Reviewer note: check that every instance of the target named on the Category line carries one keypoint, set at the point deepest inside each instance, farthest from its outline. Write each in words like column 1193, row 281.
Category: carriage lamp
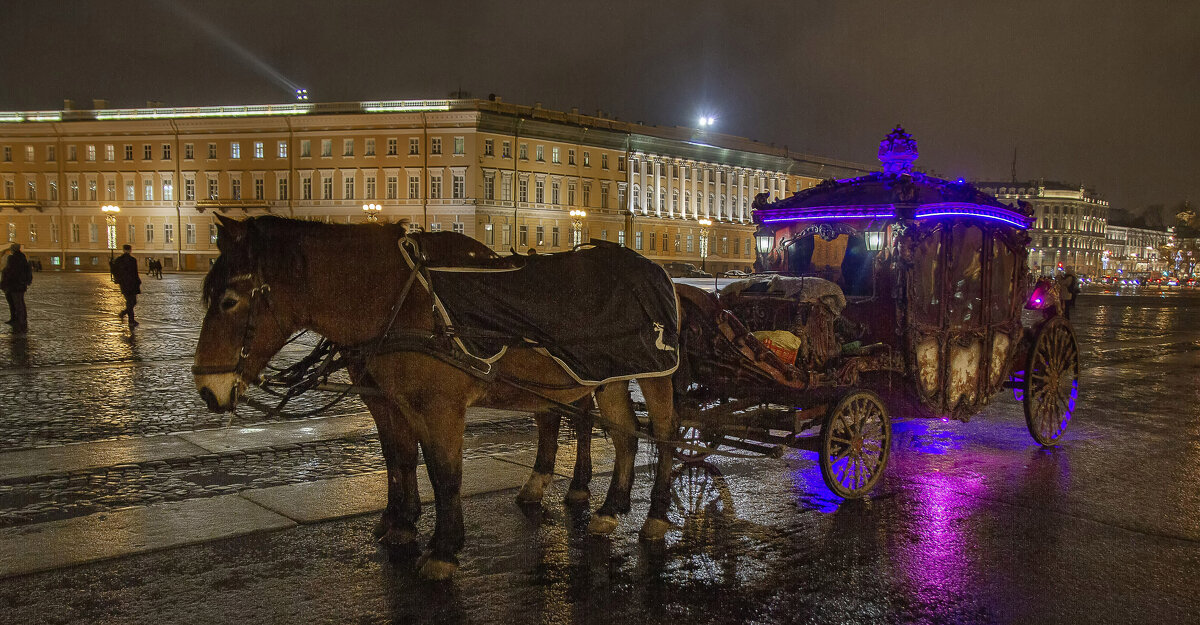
column 765, row 240
column 372, row 211
column 874, row 239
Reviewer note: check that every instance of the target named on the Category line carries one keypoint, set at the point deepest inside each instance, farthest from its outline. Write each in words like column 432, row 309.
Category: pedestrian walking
column 125, row 274
column 14, row 280
column 158, row 269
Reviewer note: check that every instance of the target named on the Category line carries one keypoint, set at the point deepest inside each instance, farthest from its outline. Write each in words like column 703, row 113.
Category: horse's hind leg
column 617, row 408
column 660, row 404
column 548, row 422
column 582, row 421
column 397, row 527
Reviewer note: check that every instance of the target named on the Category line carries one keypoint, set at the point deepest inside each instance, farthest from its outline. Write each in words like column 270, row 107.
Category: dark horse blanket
column 604, row 313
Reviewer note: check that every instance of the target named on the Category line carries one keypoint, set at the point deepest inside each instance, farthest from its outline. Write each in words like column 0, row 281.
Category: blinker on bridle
column 263, row 290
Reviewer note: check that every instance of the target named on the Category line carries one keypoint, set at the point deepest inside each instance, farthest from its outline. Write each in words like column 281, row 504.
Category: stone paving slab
column 66, row 458
column 283, row 433
column 325, row 500
column 100, row 536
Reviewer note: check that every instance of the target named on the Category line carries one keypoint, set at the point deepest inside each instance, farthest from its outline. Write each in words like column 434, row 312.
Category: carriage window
column 924, row 290
column 1003, row 281
column 965, row 306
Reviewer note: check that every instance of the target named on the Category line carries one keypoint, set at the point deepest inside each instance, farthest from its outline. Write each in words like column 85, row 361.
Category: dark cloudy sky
column 1101, row 92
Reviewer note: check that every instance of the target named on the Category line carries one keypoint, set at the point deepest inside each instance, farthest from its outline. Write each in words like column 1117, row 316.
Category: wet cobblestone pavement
column 972, row 523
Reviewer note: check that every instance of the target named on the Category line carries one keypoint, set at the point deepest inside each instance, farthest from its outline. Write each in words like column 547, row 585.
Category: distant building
column 510, row 176
column 1069, row 224
column 1137, row 250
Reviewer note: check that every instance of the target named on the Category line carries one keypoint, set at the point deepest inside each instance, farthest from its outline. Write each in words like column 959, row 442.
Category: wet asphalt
column 972, row 523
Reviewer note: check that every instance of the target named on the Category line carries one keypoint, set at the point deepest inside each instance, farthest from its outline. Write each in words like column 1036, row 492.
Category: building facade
column 1069, row 224
column 77, row 184
column 1138, row 250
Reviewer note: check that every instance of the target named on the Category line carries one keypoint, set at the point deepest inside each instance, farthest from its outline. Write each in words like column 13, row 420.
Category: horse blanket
column 603, row 312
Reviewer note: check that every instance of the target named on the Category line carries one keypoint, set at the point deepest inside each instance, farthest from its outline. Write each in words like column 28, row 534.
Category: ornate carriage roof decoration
column 897, row 192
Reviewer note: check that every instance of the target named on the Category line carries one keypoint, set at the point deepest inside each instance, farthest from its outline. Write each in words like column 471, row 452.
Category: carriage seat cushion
column 603, row 312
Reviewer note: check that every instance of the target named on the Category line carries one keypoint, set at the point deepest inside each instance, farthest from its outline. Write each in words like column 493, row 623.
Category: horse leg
column 578, row 492
column 442, row 444
column 548, row 422
column 617, row 408
column 397, row 526
column 660, row 403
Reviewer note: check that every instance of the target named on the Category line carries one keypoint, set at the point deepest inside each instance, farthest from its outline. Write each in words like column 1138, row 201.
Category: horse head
column 249, row 313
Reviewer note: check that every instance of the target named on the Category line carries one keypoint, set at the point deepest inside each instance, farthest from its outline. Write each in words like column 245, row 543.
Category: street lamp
column 577, row 216
column 704, row 225
column 372, row 211
column 110, row 217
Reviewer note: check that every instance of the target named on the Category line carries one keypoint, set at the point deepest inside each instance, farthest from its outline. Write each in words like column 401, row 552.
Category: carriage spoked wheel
column 1051, row 381
column 692, row 436
column 856, row 440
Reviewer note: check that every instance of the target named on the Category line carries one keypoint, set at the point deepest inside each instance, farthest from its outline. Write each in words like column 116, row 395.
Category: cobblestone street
column 111, row 466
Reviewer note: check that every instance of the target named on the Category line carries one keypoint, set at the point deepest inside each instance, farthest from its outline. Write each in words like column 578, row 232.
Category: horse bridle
column 260, row 292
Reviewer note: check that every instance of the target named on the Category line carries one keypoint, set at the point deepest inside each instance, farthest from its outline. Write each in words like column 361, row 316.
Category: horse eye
column 228, row 303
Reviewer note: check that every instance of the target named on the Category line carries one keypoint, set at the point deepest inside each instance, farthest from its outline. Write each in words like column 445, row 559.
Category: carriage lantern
column 765, row 240
column 874, row 239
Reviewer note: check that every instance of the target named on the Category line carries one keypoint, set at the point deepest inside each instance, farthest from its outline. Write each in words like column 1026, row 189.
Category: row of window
column 1071, row 242
column 348, row 148
column 168, row 233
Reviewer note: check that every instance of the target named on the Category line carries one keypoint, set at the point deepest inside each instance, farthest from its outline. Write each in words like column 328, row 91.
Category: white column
column 658, row 188
column 704, row 193
column 642, row 192
column 672, row 187
column 720, row 182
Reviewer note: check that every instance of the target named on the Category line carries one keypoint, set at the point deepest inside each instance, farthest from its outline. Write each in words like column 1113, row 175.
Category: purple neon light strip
column 966, row 214
column 819, row 217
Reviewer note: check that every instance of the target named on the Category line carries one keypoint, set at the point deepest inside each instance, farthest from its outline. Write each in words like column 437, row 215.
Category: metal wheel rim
column 855, row 442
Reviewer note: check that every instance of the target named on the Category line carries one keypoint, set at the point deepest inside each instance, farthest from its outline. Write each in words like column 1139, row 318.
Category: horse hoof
column 381, row 528
column 534, row 489
column 654, row 530
column 436, row 570
column 397, row 538
column 578, row 496
column 602, row 524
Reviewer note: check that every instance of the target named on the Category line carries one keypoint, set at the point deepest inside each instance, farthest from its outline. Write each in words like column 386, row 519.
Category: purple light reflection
column 940, row 559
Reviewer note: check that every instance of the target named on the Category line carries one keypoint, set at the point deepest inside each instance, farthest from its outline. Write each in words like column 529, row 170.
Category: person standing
column 125, row 274
column 1068, row 286
column 14, row 280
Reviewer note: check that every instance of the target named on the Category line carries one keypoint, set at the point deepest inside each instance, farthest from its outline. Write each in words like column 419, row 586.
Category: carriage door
column 946, row 318
column 965, row 349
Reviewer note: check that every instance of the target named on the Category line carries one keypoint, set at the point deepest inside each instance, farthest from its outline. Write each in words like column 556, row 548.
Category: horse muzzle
column 220, row 391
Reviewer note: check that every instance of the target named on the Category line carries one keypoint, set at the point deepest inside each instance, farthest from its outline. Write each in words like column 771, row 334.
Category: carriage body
column 938, row 315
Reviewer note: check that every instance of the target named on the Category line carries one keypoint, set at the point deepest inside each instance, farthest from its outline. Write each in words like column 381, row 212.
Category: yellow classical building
column 513, row 177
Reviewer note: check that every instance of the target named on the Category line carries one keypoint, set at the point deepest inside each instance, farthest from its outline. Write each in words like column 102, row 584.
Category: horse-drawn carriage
column 919, row 309
column 925, row 307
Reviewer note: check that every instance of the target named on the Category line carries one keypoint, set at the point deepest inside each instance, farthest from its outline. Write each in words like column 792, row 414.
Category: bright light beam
column 241, row 51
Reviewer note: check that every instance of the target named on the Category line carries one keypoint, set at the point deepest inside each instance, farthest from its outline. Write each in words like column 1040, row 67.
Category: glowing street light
column 110, row 217
column 302, row 94
column 706, row 121
column 577, row 216
column 704, row 226
column 372, row 211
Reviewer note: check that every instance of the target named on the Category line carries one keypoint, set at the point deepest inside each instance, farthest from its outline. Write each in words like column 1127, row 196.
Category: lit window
column 326, row 147
column 259, row 151
column 235, row 150
column 347, row 147
column 460, row 145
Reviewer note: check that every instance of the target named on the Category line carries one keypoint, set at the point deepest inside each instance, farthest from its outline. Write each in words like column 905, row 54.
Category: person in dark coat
column 14, row 280
column 125, row 274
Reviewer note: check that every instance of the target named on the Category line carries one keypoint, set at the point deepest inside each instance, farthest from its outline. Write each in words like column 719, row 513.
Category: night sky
column 1100, row 92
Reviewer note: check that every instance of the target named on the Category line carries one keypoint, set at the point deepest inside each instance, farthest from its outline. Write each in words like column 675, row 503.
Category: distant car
column 698, row 273
column 735, row 273
column 1172, row 282
column 1190, row 282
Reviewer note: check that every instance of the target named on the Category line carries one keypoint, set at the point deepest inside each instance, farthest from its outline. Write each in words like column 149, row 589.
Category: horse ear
column 229, row 230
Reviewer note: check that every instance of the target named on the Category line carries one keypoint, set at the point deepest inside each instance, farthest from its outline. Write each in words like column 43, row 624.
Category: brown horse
column 277, row 276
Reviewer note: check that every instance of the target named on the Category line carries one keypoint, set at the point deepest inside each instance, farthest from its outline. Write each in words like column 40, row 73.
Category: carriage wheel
column 692, row 436
column 1051, row 381
column 855, row 442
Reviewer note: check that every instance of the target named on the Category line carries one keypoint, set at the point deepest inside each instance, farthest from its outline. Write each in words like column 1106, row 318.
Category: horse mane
column 274, row 246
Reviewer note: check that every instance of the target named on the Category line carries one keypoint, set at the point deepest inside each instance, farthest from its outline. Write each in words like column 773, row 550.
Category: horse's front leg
column 660, row 403
column 617, row 409
column 548, row 422
column 397, row 528
column 443, row 445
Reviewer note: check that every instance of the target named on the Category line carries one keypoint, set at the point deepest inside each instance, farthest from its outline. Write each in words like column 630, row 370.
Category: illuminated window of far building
column 523, row 152
column 149, row 233
column 168, row 233
column 91, row 152
column 189, row 233
column 541, row 236
column 110, row 152
column 460, row 145
column 393, row 184
column 235, row 149
column 347, row 147
column 459, row 227
column 554, row 157
column 305, row 148
column 326, row 148
column 459, row 186
column 281, row 149
column 541, row 153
